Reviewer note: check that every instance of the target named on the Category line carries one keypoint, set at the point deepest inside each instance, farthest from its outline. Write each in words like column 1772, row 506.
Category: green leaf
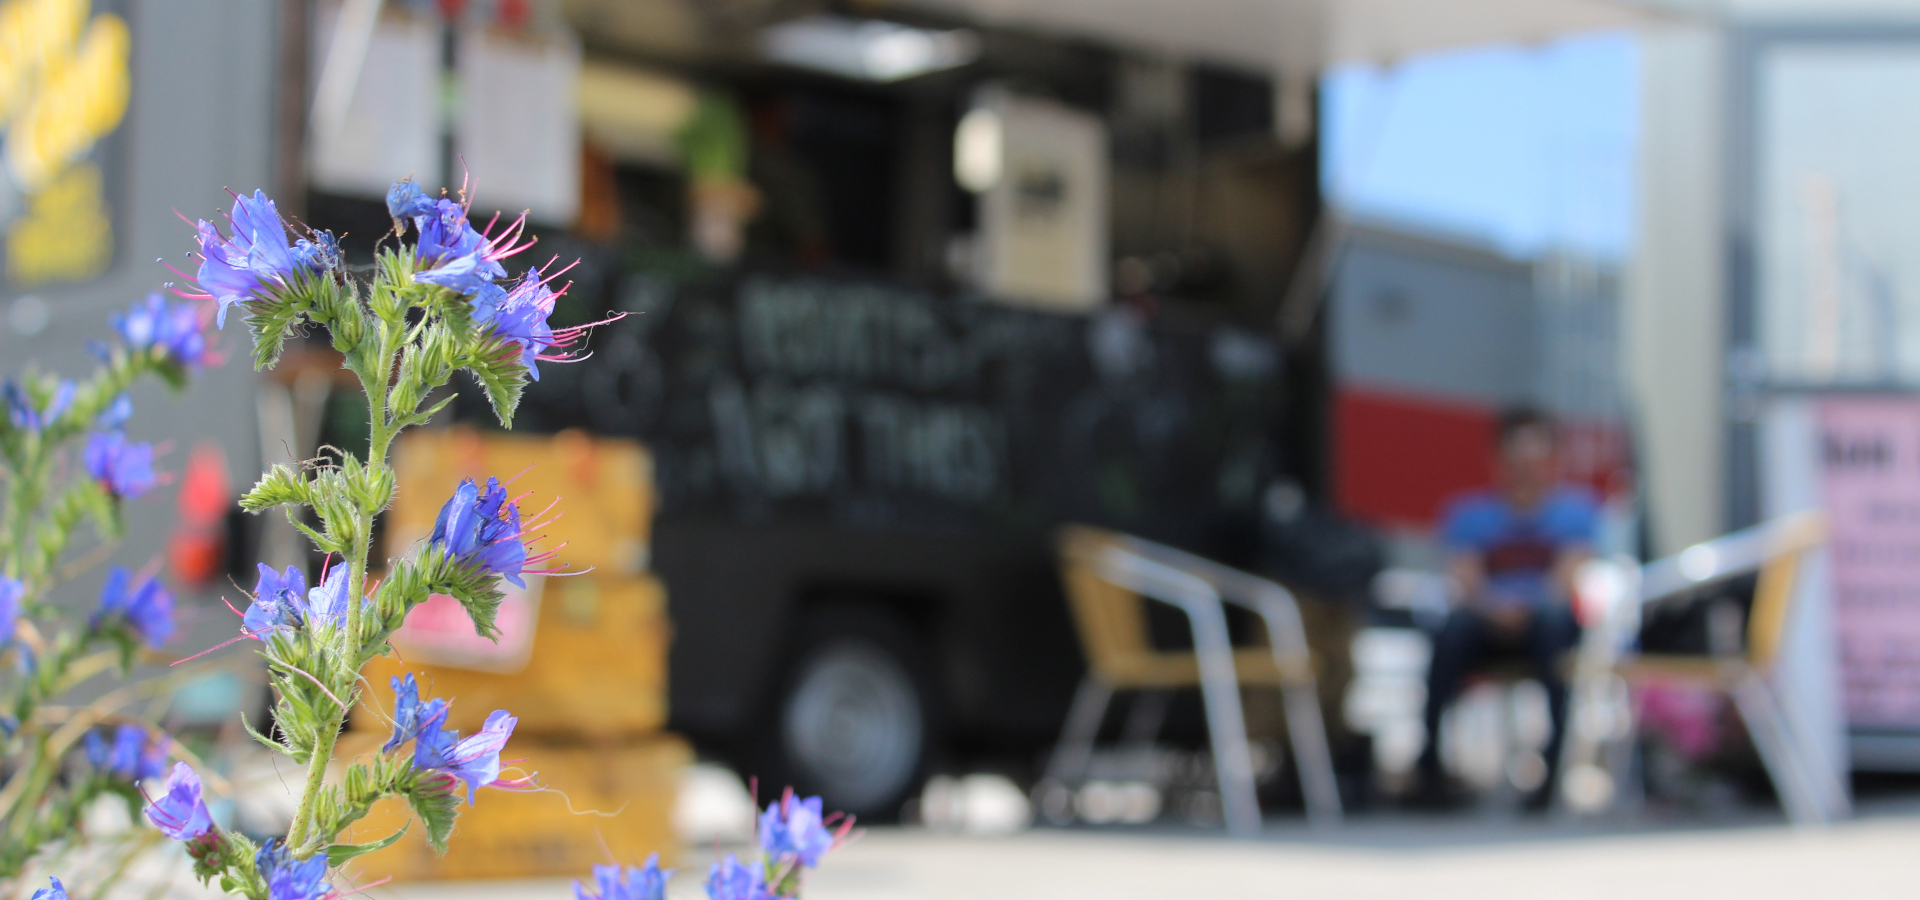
column 339, row 853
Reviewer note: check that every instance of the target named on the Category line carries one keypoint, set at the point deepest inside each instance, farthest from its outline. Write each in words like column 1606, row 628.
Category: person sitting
column 1513, row 550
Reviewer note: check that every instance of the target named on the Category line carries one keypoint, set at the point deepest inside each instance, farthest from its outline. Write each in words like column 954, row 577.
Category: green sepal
column 276, row 315
column 495, row 363
column 264, row 740
column 281, row 486
column 435, row 798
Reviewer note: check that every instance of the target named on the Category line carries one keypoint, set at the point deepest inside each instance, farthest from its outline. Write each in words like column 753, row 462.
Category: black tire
column 852, row 718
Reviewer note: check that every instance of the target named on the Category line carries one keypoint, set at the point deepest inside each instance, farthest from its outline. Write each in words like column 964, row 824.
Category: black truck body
column 828, row 450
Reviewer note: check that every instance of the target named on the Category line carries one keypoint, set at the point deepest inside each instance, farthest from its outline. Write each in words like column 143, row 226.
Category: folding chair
column 1108, row 577
column 1742, row 665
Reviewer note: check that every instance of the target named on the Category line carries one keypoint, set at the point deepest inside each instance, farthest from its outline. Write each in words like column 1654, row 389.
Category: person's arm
column 1565, row 564
column 1579, row 528
column 1466, row 567
column 1469, row 574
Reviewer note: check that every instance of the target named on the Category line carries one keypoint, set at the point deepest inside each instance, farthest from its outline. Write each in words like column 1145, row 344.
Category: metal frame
column 1201, row 589
column 1810, row 793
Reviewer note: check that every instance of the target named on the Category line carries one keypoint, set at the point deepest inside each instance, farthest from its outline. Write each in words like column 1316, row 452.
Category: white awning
column 1297, row 35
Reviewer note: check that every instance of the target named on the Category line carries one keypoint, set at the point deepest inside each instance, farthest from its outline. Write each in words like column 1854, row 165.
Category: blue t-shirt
column 1516, row 548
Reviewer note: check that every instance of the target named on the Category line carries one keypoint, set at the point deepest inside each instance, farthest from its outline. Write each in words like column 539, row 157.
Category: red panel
column 1397, row 458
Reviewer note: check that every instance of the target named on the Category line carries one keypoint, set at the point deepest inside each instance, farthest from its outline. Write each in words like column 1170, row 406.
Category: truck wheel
column 853, row 719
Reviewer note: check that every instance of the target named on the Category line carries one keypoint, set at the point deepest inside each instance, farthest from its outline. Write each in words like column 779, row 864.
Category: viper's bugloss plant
column 402, row 327
column 66, row 462
column 422, row 311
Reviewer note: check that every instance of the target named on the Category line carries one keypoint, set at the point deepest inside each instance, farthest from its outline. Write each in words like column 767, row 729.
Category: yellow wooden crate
column 604, row 798
column 603, row 487
column 598, row 667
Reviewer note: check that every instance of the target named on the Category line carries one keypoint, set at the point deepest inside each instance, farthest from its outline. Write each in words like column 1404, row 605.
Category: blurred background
column 912, row 285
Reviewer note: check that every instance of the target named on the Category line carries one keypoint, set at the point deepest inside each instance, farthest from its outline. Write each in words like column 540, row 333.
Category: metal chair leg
column 1226, row 721
column 1148, row 713
column 1754, row 702
column 1074, row 753
column 1315, row 760
column 1306, row 728
column 1822, row 776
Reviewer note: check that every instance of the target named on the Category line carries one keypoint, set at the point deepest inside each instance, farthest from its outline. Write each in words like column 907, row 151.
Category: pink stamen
column 316, row 683
column 543, row 511
column 336, row 895
column 243, row 636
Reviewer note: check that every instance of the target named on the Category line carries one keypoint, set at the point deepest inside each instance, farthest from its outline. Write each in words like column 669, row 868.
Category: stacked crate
column 587, row 679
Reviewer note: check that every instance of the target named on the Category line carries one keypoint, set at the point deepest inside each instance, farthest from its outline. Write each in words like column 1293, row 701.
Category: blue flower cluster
column 630, row 883
column 123, row 467
column 134, row 755
column 26, row 415
column 466, row 260
column 282, row 600
column 12, row 592
column 145, row 612
column 257, row 257
column 451, row 251
column 793, row 830
column 520, row 315
column 180, row 812
column 288, row 878
column 57, row 892
column 730, row 879
column 178, row 329
column 793, row 835
column 483, row 528
column 474, row 760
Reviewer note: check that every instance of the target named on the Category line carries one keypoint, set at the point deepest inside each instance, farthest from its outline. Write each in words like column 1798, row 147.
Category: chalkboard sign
column 874, row 406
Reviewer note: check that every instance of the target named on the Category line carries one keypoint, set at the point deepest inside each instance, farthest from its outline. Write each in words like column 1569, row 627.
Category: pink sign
column 1870, row 460
column 439, row 632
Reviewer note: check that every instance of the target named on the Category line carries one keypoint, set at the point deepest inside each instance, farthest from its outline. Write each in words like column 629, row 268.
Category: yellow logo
column 65, row 82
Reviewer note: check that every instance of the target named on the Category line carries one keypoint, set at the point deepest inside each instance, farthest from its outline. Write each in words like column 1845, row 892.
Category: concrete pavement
column 1392, row 859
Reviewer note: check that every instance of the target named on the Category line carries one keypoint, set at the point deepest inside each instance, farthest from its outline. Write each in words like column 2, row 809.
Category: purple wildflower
column 57, row 892
column 474, row 760
column 147, row 612
column 116, row 414
column 29, row 416
column 327, row 601
column 180, row 813
column 730, row 879
column 11, row 593
column 279, row 601
column 794, row 828
column 483, row 528
column 176, row 328
column 405, row 200
column 288, row 878
column 411, row 717
column 132, row 757
column 257, row 257
column 124, row 467
column 632, row 883
column 319, row 254
column 520, row 315
column 456, row 255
